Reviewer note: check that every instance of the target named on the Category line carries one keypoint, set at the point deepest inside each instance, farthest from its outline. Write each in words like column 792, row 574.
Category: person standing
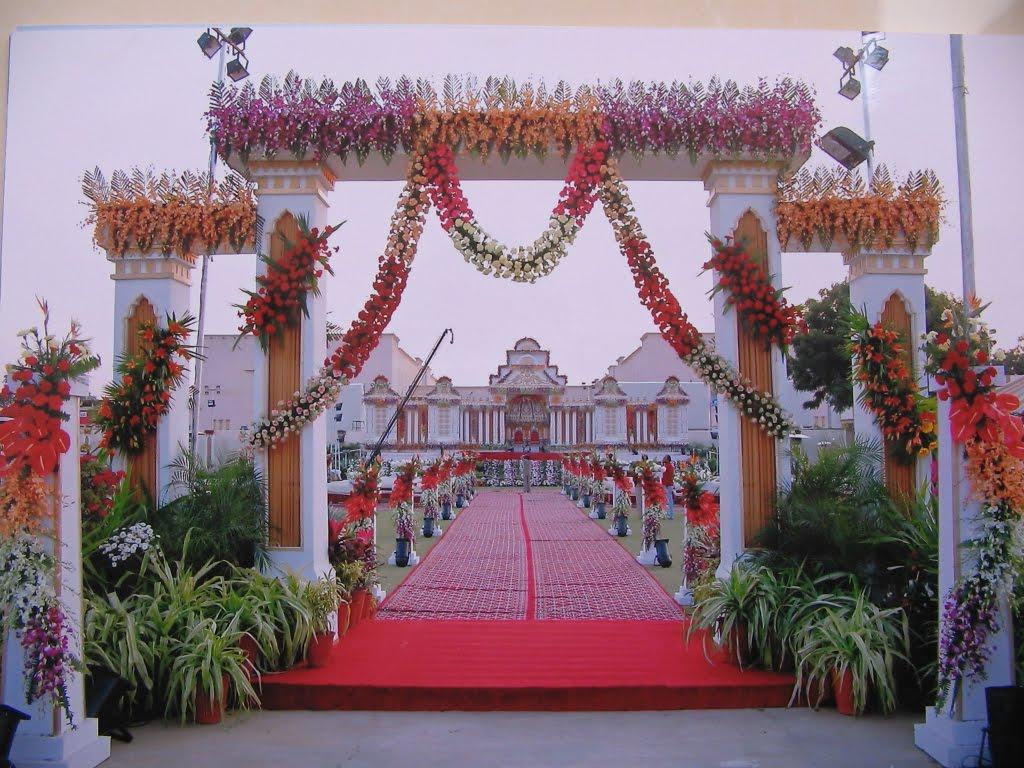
column 668, row 479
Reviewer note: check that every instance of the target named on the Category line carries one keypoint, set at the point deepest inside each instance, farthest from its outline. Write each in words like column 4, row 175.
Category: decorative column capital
column 152, row 266
column 292, row 177
column 741, row 177
column 897, row 259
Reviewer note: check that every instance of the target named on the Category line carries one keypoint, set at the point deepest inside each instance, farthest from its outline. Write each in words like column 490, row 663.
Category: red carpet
column 524, row 604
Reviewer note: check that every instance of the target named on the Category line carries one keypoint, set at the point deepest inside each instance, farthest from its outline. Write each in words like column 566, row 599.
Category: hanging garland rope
column 906, row 418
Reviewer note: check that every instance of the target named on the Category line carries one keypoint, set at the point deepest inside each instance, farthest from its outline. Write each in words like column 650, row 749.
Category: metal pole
column 408, row 394
column 865, row 92
column 963, row 165
column 197, row 382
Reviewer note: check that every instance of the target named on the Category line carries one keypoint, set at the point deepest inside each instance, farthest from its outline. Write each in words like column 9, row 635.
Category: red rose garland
column 133, row 405
column 285, row 284
column 889, row 390
column 760, row 306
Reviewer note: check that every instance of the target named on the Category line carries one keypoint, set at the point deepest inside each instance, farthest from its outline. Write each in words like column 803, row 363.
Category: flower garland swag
column 983, row 422
column 759, row 305
column 283, row 288
column 321, row 391
column 653, row 289
column 905, row 416
column 133, row 404
column 648, row 475
column 401, row 500
column 32, row 441
column 575, row 202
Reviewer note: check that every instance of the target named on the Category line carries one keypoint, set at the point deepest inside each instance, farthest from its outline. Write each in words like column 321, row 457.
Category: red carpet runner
column 524, row 604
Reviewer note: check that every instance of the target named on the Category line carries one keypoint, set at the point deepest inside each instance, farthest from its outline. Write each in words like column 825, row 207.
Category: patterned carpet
column 513, row 556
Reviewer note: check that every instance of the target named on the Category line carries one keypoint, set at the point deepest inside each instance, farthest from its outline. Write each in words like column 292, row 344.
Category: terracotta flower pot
column 842, row 685
column 371, row 608
column 251, row 649
column 737, row 650
column 320, row 647
column 344, row 615
column 358, row 606
column 209, row 711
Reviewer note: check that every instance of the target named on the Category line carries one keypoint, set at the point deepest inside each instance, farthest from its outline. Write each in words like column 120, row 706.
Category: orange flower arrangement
column 509, row 118
column 171, row 213
column 23, row 497
column 829, row 204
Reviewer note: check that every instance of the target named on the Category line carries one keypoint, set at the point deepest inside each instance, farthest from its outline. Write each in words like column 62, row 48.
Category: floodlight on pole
column 238, row 35
column 846, row 55
column 877, row 57
column 209, row 44
column 849, row 87
column 846, row 147
column 236, row 70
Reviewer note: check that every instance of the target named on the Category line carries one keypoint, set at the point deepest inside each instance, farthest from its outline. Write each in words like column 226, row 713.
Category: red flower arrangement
column 619, row 475
column 889, row 390
column 32, row 437
column 760, row 306
column 286, row 283
column 401, row 491
column 466, row 463
column 99, row 482
column 362, row 502
column 705, row 512
column 431, row 477
column 133, row 405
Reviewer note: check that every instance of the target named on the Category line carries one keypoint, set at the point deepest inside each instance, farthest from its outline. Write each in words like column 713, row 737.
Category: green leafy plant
column 207, row 663
column 227, row 503
column 127, row 508
column 736, row 609
column 851, row 634
column 321, row 598
column 349, row 576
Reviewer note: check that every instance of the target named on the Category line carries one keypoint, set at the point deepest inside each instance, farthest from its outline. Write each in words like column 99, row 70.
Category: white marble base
column 949, row 742
column 80, row 748
column 648, row 557
column 413, row 558
column 684, row 596
column 613, row 532
column 593, row 514
column 378, row 593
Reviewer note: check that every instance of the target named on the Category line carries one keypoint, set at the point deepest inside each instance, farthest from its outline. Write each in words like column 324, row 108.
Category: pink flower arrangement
column 48, row 658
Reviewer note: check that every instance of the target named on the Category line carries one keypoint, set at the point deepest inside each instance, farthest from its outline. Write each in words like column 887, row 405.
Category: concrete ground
column 774, row 738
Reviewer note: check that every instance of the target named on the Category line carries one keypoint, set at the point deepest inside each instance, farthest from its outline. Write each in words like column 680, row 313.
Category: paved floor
column 693, row 739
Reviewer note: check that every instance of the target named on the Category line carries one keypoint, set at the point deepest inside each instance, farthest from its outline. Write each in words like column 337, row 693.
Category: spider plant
column 240, row 608
column 321, row 598
column 207, row 663
column 741, row 604
column 853, row 635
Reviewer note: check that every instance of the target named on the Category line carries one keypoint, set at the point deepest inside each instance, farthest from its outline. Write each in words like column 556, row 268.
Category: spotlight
column 236, row 70
column 846, row 55
column 850, row 88
column 208, row 44
column 877, row 58
column 846, row 147
column 238, row 35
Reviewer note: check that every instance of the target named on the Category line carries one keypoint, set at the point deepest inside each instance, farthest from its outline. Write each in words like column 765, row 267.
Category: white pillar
column 300, row 188
column 165, row 282
column 735, row 188
column 47, row 739
column 951, row 736
column 874, row 277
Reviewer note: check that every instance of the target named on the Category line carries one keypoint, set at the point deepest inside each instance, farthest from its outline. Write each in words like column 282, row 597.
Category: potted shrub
column 663, row 557
column 348, row 576
column 208, row 664
column 321, row 598
column 854, row 644
column 728, row 610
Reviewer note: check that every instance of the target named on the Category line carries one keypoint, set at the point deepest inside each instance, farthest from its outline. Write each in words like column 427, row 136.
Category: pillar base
column 648, row 557
column 299, row 562
column 684, row 597
column 949, row 742
column 80, row 748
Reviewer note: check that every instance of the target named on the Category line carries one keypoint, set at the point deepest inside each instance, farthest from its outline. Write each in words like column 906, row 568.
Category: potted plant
column 663, row 557
column 207, row 665
column 727, row 609
column 9, row 721
column 348, row 575
column 321, row 598
column 854, row 644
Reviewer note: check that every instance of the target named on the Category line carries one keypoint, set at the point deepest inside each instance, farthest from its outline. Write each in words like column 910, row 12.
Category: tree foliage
column 820, row 363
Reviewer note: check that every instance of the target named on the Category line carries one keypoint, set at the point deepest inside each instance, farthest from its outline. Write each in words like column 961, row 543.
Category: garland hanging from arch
column 433, row 176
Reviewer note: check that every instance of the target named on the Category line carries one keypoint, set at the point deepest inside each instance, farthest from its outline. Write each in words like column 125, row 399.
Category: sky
column 122, row 97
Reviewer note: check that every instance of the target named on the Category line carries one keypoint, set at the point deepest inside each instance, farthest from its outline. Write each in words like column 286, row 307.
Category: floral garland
column 286, row 283
column 983, row 421
column 889, row 391
column 321, row 391
column 99, row 481
column 759, row 305
column 302, row 118
column 648, row 475
column 678, row 331
column 132, row 405
column 525, row 265
column 137, row 211
column 828, row 203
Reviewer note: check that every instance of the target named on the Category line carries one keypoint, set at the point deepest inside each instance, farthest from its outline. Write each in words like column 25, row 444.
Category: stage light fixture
column 846, row 147
column 846, row 55
column 849, row 87
column 236, row 70
column 209, row 44
column 238, row 35
column 877, row 58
